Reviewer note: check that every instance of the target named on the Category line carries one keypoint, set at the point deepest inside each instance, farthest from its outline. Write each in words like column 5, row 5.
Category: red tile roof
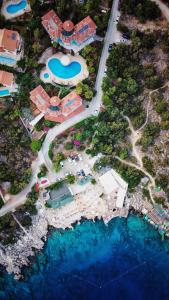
column 9, row 40
column 68, row 25
column 6, row 78
column 85, row 29
column 82, row 31
column 52, row 24
column 40, row 98
column 55, row 109
column 70, row 103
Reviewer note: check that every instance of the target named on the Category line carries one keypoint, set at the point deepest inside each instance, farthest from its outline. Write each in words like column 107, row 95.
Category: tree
column 70, row 179
column 36, row 145
column 79, row 88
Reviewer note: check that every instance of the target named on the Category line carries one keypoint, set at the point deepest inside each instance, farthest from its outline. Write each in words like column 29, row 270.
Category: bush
column 36, row 145
column 70, row 179
column 68, row 146
column 49, row 124
column 148, row 165
column 93, row 181
column 159, row 200
column 43, row 171
column 55, row 185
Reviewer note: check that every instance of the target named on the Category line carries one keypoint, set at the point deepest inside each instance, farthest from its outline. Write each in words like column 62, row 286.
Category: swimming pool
column 4, row 93
column 7, row 60
column 14, row 8
column 65, row 72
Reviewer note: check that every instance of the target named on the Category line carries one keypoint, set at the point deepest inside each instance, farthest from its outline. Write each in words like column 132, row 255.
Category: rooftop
column 68, row 25
column 57, row 29
column 60, row 196
column 114, row 184
column 56, row 109
column 9, row 39
column 39, row 97
column 6, row 78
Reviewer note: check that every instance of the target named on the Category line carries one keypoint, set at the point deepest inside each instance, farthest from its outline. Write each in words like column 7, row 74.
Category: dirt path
column 136, row 151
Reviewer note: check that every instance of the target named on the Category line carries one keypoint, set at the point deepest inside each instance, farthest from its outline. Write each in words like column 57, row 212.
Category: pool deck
column 71, row 81
column 12, row 89
column 9, row 16
column 15, row 57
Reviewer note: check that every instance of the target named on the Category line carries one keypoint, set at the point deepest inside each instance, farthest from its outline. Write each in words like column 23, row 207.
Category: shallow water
column 125, row 260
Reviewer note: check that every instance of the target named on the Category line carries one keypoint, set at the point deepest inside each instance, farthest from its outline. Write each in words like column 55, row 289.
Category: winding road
column 94, row 107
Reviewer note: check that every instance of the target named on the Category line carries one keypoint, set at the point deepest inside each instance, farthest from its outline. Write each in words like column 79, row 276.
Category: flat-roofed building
column 114, row 187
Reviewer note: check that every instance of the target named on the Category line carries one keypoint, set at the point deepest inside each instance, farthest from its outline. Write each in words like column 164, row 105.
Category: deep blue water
column 65, row 72
column 125, row 261
column 14, row 8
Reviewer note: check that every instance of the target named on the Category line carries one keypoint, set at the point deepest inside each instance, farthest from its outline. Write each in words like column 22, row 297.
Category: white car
column 96, row 112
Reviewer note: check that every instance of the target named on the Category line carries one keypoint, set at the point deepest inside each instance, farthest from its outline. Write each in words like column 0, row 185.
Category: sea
column 125, row 260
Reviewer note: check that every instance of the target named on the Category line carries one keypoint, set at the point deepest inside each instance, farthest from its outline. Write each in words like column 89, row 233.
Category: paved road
column 164, row 8
column 111, row 37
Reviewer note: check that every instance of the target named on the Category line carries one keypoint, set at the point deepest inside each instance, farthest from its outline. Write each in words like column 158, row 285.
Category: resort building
column 14, row 8
column 68, row 35
column 10, row 47
column 114, row 187
column 58, row 197
column 8, row 84
column 54, row 108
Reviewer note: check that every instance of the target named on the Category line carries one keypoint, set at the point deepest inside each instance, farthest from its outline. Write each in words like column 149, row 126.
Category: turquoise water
column 4, row 93
column 65, row 72
column 46, row 75
column 123, row 261
column 7, row 60
column 14, row 8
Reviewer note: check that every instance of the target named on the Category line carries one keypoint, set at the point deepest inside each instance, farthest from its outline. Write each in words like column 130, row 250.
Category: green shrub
column 93, row 181
column 36, row 145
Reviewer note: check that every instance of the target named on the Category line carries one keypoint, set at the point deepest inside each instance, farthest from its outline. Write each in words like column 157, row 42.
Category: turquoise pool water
column 4, row 93
column 7, row 60
column 14, row 8
column 46, row 75
column 64, row 72
column 125, row 260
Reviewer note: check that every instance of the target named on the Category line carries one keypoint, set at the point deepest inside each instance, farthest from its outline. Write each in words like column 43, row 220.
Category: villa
column 14, row 8
column 10, row 47
column 56, row 109
column 8, row 84
column 70, row 36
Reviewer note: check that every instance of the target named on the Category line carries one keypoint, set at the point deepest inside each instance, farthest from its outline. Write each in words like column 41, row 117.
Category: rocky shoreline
column 84, row 207
column 15, row 257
